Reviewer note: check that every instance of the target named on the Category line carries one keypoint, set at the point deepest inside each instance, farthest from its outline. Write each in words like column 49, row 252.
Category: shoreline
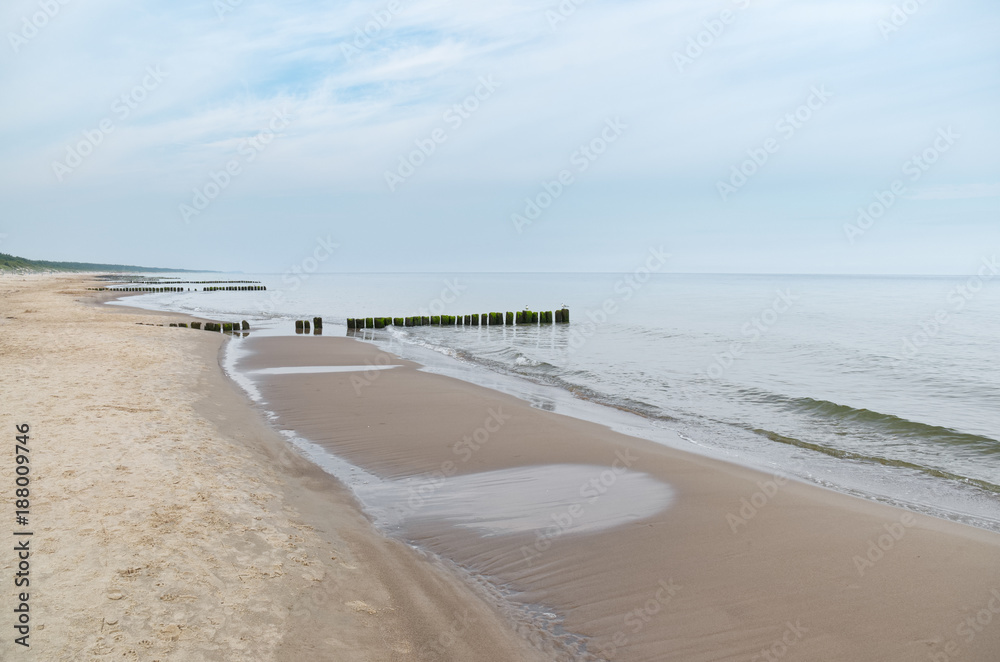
column 731, row 521
column 922, row 490
column 925, row 487
column 684, row 581
column 173, row 523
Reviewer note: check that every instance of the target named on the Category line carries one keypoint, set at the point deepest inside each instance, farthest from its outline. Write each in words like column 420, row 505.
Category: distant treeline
column 14, row 263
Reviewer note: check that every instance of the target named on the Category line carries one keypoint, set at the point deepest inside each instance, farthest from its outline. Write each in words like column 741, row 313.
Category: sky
column 739, row 136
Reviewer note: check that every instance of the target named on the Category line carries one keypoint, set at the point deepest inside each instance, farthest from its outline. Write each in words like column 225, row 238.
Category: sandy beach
column 172, row 522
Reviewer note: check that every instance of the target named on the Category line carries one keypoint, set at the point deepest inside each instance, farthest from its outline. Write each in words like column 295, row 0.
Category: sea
column 883, row 387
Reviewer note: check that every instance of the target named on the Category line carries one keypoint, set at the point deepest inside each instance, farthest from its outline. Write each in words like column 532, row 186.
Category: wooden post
column 317, row 322
column 298, row 326
column 246, row 325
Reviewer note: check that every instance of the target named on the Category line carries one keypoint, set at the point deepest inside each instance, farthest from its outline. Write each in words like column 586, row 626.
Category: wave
column 843, row 454
column 890, row 424
column 581, row 383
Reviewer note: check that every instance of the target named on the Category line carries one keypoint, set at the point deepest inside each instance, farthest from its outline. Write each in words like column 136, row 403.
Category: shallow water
column 318, row 369
column 570, row 498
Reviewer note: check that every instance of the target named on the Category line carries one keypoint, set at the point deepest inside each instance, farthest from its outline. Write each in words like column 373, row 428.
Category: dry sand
column 171, row 523
column 808, row 574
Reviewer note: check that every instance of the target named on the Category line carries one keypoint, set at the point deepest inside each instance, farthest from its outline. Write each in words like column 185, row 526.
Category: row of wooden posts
column 211, row 282
column 137, row 289
column 233, row 288
column 521, row 317
column 217, row 327
column 302, row 326
column 155, row 281
column 236, row 288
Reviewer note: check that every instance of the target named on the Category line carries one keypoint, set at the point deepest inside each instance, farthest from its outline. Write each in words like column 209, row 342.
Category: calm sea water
column 885, row 387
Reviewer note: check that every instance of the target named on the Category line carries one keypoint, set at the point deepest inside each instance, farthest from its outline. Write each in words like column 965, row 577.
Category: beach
column 171, row 523
column 732, row 564
column 172, row 520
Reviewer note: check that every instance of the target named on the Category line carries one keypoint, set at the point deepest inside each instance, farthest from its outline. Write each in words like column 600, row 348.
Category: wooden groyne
column 139, row 280
column 216, row 327
column 235, row 288
column 227, row 288
column 302, row 326
column 136, row 289
column 520, row 318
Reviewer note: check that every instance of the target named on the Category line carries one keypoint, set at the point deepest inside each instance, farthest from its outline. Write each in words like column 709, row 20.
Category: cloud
column 362, row 81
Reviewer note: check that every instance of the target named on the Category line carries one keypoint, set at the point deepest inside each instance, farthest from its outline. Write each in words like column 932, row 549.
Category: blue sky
column 120, row 121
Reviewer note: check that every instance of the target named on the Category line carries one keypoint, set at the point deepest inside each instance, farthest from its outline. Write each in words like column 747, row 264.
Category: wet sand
column 646, row 552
